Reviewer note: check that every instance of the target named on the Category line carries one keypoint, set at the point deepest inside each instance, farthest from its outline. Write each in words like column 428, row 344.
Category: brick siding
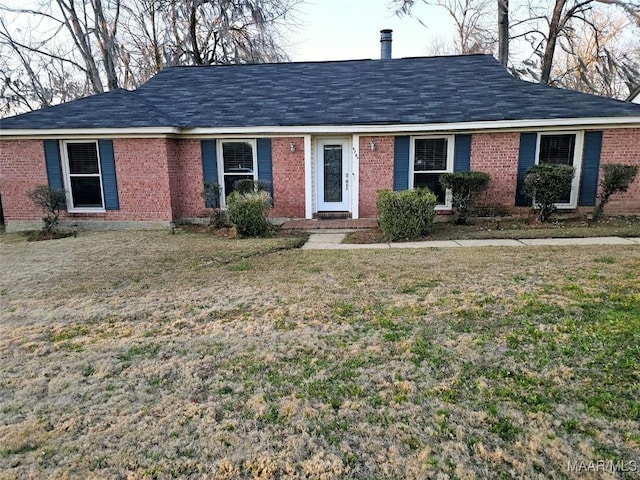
column 497, row 155
column 185, row 176
column 288, row 177
column 143, row 181
column 141, row 170
column 376, row 171
column 622, row 146
column 161, row 179
column 22, row 168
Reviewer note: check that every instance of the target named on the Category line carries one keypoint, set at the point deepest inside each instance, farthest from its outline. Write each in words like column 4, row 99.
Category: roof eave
column 538, row 124
column 146, row 132
column 128, row 132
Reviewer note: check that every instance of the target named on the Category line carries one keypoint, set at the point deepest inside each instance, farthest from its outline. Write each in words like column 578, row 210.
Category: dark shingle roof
column 357, row 92
column 115, row 109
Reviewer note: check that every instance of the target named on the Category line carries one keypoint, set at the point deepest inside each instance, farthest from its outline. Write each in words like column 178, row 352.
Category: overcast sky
column 350, row 29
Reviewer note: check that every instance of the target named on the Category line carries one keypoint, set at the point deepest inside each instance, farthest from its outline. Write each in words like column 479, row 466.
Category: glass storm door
column 333, row 175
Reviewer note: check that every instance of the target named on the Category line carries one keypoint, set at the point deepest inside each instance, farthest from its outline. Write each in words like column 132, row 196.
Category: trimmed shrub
column 465, row 187
column 406, row 214
column 248, row 213
column 547, row 184
column 616, row 178
column 51, row 201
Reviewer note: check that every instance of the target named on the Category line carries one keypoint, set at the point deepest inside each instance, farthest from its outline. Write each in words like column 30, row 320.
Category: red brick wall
column 497, row 155
column 141, row 170
column 376, row 171
column 288, row 177
column 143, row 181
column 161, row 180
column 185, row 176
column 622, row 146
column 22, row 168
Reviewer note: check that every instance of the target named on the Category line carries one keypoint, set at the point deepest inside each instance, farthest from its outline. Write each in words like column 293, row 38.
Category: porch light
column 372, row 146
column 292, row 147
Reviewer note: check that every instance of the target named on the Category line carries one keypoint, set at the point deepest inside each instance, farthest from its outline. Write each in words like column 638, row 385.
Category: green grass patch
column 68, row 332
column 149, row 350
column 240, row 266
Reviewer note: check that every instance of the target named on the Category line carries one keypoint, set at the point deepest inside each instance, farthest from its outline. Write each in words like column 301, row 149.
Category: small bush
column 51, row 201
column 219, row 218
column 406, row 214
column 547, row 184
column 248, row 213
column 617, row 178
column 465, row 187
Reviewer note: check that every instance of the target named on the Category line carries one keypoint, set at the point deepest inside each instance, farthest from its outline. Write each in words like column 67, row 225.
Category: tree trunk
column 105, row 35
column 80, row 38
column 550, row 48
column 503, row 32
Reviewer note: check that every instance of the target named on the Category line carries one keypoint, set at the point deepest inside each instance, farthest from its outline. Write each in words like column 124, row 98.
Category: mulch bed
column 40, row 236
column 514, row 228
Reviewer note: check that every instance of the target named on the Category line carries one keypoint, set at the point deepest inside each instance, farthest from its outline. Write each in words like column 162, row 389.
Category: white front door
column 333, row 175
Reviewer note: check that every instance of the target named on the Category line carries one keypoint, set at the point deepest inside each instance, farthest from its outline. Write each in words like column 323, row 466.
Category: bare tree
column 567, row 43
column 596, row 58
column 545, row 30
column 474, row 33
column 52, row 51
column 62, row 43
column 207, row 32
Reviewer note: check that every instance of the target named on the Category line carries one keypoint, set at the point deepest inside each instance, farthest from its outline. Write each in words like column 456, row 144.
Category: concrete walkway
column 331, row 240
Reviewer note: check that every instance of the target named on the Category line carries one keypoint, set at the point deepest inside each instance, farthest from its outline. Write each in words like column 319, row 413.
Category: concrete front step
column 318, row 224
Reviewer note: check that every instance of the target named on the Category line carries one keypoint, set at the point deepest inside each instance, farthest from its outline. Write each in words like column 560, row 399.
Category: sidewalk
column 331, row 240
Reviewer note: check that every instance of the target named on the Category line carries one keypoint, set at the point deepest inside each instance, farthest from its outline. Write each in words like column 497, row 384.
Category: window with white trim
column 430, row 158
column 83, row 179
column 564, row 148
column 239, row 162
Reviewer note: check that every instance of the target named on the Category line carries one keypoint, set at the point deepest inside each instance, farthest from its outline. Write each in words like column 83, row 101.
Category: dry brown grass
column 147, row 355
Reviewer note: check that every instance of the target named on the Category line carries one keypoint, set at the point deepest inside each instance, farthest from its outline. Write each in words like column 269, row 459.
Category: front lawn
column 150, row 355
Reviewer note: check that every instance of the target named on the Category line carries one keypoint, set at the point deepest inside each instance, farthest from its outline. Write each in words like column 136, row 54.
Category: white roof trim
column 422, row 127
column 93, row 132
column 539, row 124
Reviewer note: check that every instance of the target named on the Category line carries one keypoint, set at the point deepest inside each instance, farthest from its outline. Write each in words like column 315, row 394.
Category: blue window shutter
column 526, row 158
column 590, row 168
column 108, row 169
column 209, row 166
column 462, row 153
column 209, row 161
column 52, row 162
column 265, row 169
column 401, row 163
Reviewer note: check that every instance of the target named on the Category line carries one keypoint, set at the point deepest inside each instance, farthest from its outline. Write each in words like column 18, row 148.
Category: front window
column 562, row 148
column 238, row 163
column 431, row 158
column 558, row 149
column 83, row 179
